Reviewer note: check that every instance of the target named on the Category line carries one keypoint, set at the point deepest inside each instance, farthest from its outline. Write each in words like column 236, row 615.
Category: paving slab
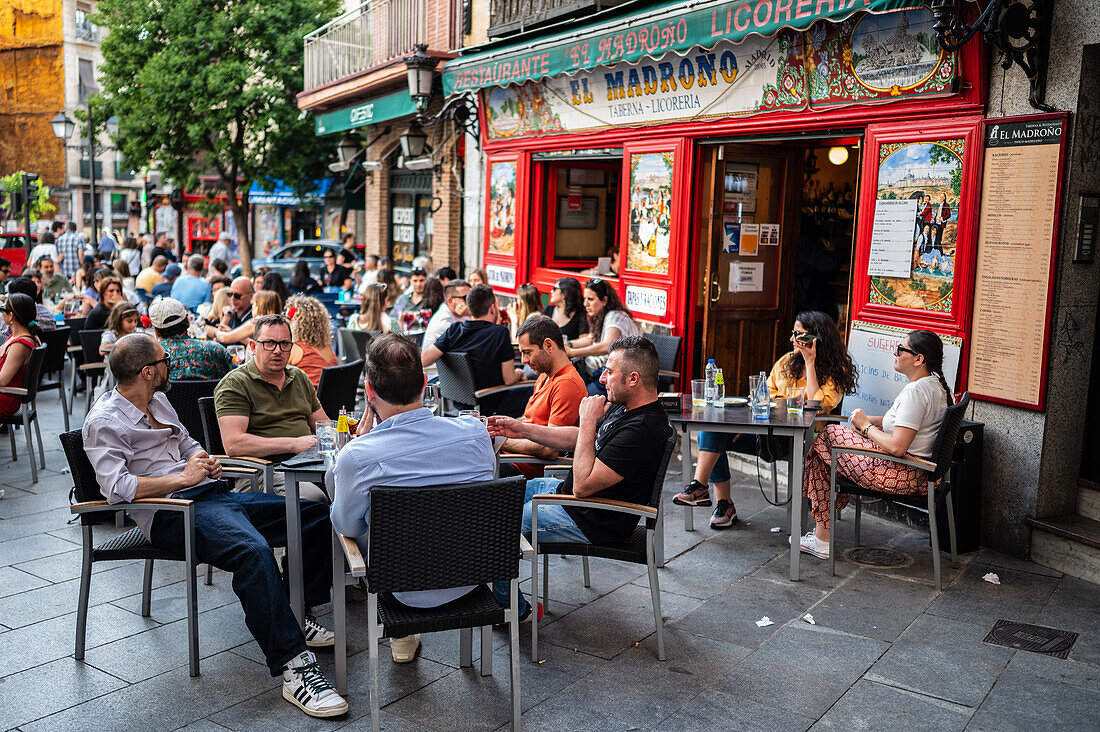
column 17, row 551
column 64, row 566
column 1020, row 596
column 1062, row 670
column 874, row 606
column 707, row 570
column 943, row 658
column 1075, row 606
column 54, row 519
column 567, row 579
column 561, row 713
column 996, row 560
column 871, row 706
column 169, row 602
column 1019, row 702
column 33, row 694
column 14, row 581
column 711, row 709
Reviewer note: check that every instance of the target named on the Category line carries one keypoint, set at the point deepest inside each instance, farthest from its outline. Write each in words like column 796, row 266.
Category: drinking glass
column 698, row 393
column 326, row 437
column 796, row 399
column 430, row 398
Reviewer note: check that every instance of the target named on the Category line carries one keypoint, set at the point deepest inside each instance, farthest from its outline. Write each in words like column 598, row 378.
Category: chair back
column 184, row 397
column 89, row 344
column 354, row 343
column 75, row 325
column 33, row 375
column 456, row 379
column 210, row 431
column 478, row 543
column 943, row 450
column 668, row 349
column 659, row 477
column 56, row 342
column 337, row 387
column 417, row 338
column 84, row 481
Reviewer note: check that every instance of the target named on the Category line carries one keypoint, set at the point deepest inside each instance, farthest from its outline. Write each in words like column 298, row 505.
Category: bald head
column 240, row 293
column 131, row 354
column 160, row 262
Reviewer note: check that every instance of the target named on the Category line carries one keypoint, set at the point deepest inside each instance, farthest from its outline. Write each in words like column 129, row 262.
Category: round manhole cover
column 877, row 556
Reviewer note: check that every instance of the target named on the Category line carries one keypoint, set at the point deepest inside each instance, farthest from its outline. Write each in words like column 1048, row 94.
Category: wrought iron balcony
column 377, row 32
column 516, row 16
column 86, row 30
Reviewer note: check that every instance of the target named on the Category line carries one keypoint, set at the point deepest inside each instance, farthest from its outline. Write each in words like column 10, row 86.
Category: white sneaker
column 317, row 635
column 305, row 686
column 812, row 545
column 405, row 650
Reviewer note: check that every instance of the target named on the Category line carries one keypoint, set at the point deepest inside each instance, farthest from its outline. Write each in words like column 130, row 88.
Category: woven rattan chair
column 637, row 549
column 668, row 350
column 57, row 345
column 476, row 545
column 354, row 343
column 28, row 409
column 337, row 387
column 131, row 545
column 76, row 355
column 456, row 386
column 939, row 489
column 259, row 471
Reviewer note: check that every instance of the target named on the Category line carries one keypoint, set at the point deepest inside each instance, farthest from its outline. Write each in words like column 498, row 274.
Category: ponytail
column 22, row 308
column 946, row 388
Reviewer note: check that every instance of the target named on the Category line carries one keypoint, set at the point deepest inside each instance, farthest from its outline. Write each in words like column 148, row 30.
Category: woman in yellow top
column 819, row 362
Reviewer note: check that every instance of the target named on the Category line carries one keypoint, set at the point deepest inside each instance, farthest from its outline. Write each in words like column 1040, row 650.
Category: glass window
column 580, row 212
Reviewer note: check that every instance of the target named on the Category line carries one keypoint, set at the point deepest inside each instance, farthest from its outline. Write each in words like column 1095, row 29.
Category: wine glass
column 430, row 398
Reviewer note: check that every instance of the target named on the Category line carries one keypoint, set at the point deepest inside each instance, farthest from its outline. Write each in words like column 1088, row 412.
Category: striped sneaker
column 305, row 686
column 317, row 635
column 694, row 494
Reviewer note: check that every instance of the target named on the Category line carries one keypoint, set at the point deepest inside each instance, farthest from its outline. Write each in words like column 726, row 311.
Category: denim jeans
column 554, row 525
column 721, row 442
column 235, row 532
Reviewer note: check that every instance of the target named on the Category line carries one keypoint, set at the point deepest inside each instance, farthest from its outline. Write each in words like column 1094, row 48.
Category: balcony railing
column 376, row 32
column 86, row 30
column 515, row 16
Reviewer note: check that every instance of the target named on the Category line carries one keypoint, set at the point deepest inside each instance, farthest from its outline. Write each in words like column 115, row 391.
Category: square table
column 739, row 420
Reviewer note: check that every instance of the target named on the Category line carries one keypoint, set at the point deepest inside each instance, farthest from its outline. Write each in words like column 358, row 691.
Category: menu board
column 1015, row 259
column 892, row 239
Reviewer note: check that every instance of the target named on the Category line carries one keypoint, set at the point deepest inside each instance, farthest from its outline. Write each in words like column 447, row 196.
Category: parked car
column 13, row 247
column 282, row 260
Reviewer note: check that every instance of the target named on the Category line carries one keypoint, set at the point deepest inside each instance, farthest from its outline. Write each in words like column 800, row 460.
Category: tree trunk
column 240, row 219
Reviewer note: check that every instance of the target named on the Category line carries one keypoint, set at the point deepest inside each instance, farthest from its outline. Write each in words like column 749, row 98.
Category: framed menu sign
column 1014, row 278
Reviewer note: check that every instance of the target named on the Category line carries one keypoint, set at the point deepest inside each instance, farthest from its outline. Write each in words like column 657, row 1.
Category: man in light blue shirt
column 191, row 288
column 392, row 453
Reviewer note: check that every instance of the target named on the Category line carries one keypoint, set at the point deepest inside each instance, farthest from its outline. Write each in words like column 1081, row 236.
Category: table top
column 742, row 416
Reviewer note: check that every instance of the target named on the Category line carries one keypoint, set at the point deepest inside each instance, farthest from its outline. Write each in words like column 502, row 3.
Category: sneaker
column 305, row 686
column 526, row 617
column 724, row 516
column 317, row 635
column 405, row 650
column 694, row 494
column 812, row 545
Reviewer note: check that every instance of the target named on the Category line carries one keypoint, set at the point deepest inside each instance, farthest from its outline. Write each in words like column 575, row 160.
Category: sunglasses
column 900, row 349
column 235, row 295
column 167, row 361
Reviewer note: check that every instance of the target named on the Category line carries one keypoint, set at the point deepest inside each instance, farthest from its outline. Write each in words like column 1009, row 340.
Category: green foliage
column 40, row 203
column 210, row 86
column 956, row 181
column 946, row 288
column 884, row 288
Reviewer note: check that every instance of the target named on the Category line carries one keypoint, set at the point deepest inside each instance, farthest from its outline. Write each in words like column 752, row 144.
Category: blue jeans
column 235, row 532
column 554, row 525
column 722, row 442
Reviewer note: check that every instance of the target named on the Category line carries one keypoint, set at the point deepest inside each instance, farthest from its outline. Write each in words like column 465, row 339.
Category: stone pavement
column 887, row 651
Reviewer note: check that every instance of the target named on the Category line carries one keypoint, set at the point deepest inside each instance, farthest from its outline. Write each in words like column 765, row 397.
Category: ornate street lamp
column 420, row 68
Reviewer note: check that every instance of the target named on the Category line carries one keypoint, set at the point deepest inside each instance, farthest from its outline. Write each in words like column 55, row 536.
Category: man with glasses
column 240, row 295
column 414, row 297
column 139, row 449
column 333, row 274
column 454, row 310
column 268, row 408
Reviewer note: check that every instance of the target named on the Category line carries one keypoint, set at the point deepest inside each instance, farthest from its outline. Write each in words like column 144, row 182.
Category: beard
column 164, row 385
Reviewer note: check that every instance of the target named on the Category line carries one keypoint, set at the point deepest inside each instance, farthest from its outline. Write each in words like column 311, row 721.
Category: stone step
column 1067, row 543
column 1088, row 499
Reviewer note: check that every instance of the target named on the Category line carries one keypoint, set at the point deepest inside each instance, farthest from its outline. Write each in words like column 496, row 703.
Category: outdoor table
column 739, row 420
column 309, row 473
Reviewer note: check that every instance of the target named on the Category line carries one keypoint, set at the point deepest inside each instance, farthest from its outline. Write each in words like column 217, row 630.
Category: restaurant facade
column 727, row 165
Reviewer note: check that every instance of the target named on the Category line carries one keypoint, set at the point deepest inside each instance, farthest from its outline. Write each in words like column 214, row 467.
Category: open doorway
column 779, row 240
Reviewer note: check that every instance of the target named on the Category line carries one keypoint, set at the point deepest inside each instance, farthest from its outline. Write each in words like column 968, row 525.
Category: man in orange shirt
column 558, row 390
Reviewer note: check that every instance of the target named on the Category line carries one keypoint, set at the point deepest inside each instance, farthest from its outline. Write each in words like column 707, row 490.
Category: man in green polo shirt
column 267, row 408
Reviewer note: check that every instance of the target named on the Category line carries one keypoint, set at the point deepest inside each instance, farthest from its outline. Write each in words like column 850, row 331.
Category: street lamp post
column 63, row 129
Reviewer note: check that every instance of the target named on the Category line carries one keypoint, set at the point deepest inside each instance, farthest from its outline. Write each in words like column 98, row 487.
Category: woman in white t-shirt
column 909, row 427
column 608, row 319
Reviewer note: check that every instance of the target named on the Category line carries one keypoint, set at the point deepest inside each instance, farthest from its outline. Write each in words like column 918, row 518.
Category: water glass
column 698, row 393
column 430, row 397
column 796, row 399
column 326, row 437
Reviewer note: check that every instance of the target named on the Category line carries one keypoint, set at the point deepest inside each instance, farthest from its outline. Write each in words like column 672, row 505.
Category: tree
column 209, row 86
column 12, row 187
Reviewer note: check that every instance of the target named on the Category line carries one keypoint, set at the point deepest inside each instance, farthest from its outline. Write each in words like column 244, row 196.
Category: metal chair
column 938, row 489
column 94, row 366
column 337, row 387
column 28, row 411
column 638, row 548
column 131, row 545
column 668, row 350
column 57, row 345
column 476, row 545
column 253, row 468
column 76, row 354
column 456, row 385
column 354, row 343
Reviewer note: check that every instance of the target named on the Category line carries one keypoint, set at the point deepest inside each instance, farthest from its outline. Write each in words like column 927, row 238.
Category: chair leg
column 465, row 647
column 85, row 587
column 775, row 481
column 534, row 586
column 832, row 515
column 147, row 589
column 587, row 576
column 339, row 616
column 38, row 434
column 933, row 530
column 486, row 650
column 513, row 652
column 655, row 594
column 209, row 575
column 545, row 583
column 192, row 593
column 859, row 512
column 373, row 633
column 64, row 402
column 951, row 528
column 30, row 443
column 11, row 436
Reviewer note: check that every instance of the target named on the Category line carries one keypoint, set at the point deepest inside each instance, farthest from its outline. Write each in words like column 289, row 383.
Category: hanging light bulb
column 838, row 155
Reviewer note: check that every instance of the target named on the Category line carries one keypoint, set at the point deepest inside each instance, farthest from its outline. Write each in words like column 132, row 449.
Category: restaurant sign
column 379, row 109
column 867, row 57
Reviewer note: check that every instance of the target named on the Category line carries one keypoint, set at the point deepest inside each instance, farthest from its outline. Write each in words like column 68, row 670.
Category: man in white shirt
column 452, row 310
column 220, row 250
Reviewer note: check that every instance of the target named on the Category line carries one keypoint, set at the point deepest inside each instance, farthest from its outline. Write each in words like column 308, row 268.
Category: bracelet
column 865, row 430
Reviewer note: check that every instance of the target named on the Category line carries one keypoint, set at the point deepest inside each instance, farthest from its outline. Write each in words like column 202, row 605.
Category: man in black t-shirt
column 617, row 449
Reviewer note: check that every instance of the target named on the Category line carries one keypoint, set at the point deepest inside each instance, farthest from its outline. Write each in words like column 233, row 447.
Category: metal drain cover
column 1034, row 638
column 877, row 556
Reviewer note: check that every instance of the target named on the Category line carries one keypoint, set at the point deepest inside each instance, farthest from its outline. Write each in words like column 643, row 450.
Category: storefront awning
column 671, row 26
column 283, row 195
column 372, row 111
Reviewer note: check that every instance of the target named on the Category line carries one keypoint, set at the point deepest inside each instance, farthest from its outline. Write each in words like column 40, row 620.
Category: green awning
column 672, row 26
column 379, row 109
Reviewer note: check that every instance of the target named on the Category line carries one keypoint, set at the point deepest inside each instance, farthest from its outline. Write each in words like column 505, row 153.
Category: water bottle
column 710, row 391
column 761, row 403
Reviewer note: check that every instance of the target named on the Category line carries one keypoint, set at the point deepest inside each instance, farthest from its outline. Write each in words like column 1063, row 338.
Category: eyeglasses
column 167, row 361
column 234, row 295
column 901, row 348
column 272, row 345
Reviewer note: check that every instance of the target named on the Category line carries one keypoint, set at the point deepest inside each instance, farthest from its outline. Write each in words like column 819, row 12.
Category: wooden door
column 746, row 331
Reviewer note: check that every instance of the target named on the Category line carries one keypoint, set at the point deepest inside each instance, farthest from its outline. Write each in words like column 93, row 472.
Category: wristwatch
column 866, row 429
